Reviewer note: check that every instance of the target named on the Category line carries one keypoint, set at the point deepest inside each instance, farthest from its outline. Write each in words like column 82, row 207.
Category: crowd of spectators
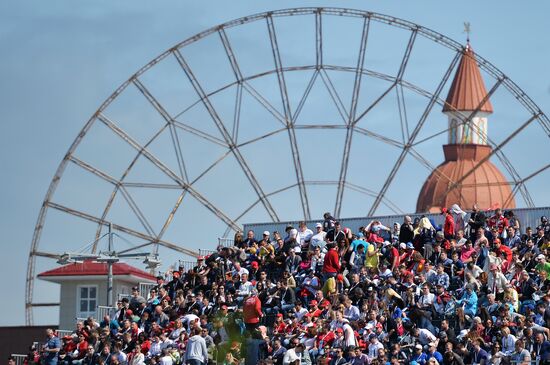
column 473, row 291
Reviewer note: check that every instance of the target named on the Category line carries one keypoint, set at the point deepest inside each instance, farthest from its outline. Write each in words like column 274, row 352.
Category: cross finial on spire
column 467, row 30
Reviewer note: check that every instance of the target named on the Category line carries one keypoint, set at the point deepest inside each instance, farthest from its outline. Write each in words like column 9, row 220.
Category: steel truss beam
column 351, row 119
column 415, row 132
column 205, row 202
column 227, row 137
column 121, row 180
column 288, row 117
column 493, row 151
column 120, row 228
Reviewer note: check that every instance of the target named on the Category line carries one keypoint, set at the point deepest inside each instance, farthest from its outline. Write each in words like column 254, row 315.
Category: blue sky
column 61, row 59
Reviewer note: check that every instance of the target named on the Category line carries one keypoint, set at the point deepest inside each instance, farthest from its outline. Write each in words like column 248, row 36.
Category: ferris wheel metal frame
column 350, row 117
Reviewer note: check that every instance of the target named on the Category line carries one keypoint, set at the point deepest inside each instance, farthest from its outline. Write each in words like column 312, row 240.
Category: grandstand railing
column 19, row 359
column 187, row 265
column 103, row 310
column 528, row 217
column 63, row 333
column 226, row 242
column 145, row 288
column 533, row 362
column 206, row 252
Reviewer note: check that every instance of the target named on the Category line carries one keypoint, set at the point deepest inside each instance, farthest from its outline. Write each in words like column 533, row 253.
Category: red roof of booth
column 90, row 268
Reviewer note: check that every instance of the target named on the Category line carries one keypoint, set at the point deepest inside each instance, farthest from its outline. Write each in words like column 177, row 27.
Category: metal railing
column 145, row 288
column 19, row 359
column 63, row 333
column 528, row 217
column 187, row 265
column 206, row 252
column 103, row 310
column 226, row 242
column 533, row 362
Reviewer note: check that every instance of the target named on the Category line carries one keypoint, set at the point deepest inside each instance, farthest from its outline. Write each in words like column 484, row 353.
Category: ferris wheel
column 274, row 116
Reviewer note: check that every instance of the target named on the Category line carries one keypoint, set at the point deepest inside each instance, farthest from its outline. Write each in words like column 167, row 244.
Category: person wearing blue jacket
column 469, row 299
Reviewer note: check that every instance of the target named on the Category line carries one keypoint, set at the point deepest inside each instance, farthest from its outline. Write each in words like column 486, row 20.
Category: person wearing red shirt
column 252, row 311
column 503, row 251
column 82, row 347
column 331, row 264
column 498, row 221
column 449, row 225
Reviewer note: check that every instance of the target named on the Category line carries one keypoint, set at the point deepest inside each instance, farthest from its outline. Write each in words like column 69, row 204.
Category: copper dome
column 486, row 186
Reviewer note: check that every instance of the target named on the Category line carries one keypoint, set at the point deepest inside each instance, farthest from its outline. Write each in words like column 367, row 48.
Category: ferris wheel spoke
column 199, row 133
column 170, row 217
column 516, row 177
column 261, row 137
column 168, row 119
column 212, row 165
column 242, row 83
column 396, row 80
column 127, row 197
column 353, row 109
column 150, row 185
column 129, row 231
column 137, row 212
column 523, row 181
column 288, row 117
column 405, row 150
column 221, row 127
column 429, row 166
column 94, row 170
column 306, row 94
column 318, row 39
column 387, row 140
column 237, row 112
column 388, row 203
column 493, row 151
column 403, row 121
column 121, row 180
column 336, row 99
column 166, row 170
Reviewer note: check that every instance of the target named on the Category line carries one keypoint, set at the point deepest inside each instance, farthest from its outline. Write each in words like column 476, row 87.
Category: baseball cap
column 266, row 233
column 254, row 264
column 540, row 256
column 403, row 245
column 319, row 225
column 418, row 347
column 410, row 245
column 313, row 302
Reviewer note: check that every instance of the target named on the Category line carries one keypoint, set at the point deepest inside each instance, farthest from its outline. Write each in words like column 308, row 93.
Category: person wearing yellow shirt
column 371, row 260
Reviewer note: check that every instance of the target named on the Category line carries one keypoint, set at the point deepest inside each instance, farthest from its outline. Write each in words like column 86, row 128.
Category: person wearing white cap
column 318, row 239
column 542, row 264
